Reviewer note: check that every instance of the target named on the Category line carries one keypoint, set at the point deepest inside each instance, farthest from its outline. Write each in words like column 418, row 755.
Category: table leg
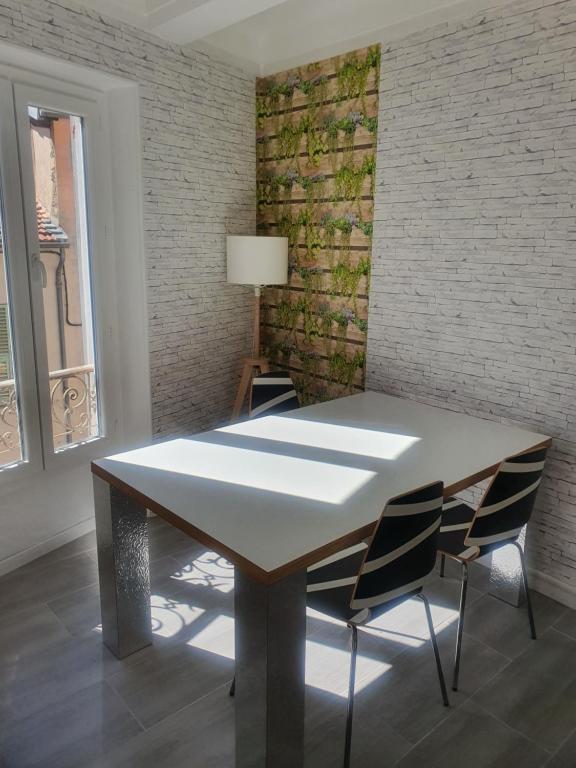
column 122, row 538
column 506, row 573
column 270, row 623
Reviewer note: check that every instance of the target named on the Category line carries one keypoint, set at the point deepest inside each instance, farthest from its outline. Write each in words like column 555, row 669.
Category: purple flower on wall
column 348, row 315
column 352, row 219
column 356, row 118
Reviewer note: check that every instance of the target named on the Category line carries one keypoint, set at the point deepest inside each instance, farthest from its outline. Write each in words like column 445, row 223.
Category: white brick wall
column 474, row 263
column 199, row 183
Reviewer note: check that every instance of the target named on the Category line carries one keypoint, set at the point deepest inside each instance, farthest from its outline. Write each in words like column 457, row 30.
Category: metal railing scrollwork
column 73, row 407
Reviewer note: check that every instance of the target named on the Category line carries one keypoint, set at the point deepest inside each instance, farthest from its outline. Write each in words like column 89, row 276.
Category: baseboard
column 32, row 553
column 557, row 590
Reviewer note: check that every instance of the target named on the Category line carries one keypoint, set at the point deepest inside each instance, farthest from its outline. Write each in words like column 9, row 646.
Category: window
column 55, row 268
column 59, row 167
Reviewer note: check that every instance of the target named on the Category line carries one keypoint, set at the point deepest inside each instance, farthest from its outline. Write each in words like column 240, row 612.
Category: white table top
column 278, row 493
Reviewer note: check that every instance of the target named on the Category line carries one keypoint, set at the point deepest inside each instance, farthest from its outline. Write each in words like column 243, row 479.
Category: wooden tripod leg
column 245, row 380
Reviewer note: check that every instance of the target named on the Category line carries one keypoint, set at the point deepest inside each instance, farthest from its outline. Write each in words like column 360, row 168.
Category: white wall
column 198, row 165
column 474, row 270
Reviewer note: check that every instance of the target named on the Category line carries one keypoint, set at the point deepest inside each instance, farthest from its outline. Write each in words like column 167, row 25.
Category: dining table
column 275, row 495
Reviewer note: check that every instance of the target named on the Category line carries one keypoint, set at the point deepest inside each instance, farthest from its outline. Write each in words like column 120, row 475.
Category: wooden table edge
column 270, row 577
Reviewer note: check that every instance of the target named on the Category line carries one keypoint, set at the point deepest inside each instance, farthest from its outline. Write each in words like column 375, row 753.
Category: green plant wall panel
column 316, row 149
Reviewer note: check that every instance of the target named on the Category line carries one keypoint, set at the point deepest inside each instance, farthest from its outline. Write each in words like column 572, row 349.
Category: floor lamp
column 255, row 261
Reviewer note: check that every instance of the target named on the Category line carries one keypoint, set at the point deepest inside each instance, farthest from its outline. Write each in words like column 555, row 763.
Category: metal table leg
column 270, row 665
column 122, row 536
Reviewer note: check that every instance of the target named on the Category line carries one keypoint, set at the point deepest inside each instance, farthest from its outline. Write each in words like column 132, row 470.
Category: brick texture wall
column 199, row 184
column 474, row 262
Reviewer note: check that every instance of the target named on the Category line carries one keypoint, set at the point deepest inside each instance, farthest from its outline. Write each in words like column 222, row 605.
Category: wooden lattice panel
column 316, row 142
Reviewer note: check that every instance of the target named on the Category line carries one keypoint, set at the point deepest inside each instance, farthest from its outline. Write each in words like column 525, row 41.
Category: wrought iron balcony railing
column 73, row 408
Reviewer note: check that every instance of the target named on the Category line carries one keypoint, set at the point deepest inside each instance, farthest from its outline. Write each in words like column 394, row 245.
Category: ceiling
column 266, row 36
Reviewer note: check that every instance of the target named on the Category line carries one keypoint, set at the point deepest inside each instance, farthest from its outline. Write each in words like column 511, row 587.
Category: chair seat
column 456, row 519
column 331, row 585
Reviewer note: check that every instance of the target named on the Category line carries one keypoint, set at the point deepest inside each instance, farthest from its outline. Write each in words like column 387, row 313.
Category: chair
column 364, row 581
column 272, row 392
column 467, row 534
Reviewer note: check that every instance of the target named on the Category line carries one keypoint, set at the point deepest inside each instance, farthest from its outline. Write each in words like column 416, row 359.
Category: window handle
column 39, row 264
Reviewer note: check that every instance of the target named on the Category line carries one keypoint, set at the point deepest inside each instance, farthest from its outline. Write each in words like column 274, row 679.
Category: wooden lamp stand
column 251, row 366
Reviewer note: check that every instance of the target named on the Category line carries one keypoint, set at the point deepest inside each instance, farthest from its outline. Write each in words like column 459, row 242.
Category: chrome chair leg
column 526, row 591
column 436, row 651
column 460, row 626
column 354, row 651
column 442, row 564
column 232, row 690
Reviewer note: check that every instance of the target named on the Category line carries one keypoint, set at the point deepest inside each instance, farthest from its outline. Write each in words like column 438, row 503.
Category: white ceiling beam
column 184, row 21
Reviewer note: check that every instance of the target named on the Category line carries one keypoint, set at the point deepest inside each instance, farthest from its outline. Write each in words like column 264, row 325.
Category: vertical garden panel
column 316, row 148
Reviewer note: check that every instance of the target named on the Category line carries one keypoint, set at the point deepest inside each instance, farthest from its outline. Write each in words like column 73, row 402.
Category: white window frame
column 104, row 301
column 20, row 311
column 113, row 160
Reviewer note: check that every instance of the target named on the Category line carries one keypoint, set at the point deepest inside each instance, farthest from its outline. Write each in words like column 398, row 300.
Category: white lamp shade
column 257, row 260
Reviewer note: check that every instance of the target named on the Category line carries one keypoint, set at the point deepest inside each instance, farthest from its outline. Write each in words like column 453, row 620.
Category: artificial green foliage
column 271, row 187
column 346, row 279
column 352, row 78
column 289, row 138
column 322, row 234
column 349, row 180
column 342, row 369
column 313, row 185
column 287, row 314
column 322, row 138
column 353, row 75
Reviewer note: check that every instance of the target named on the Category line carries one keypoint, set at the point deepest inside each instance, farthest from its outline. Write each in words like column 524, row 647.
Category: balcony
column 73, row 407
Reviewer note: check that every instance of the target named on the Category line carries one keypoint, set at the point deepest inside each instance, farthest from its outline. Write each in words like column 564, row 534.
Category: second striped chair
column 505, row 509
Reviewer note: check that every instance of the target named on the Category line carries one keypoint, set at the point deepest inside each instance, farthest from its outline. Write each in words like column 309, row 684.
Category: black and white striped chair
column 272, row 393
column 467, row 534
column 364, row 581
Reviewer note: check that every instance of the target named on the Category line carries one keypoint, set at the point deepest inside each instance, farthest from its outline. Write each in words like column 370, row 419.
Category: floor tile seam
column 553, row 628
column 225, row 685
column 560, row 747
column 72, row 592
column 534, row 743
column 125, row 705
column 58, row 619
column 511, row 661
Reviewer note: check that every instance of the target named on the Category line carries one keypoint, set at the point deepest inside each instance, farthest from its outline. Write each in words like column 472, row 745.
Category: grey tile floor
column 65, row 701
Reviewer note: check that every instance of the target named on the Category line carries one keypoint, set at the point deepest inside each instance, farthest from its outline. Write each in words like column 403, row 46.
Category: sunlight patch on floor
column 326, row 667
column 169, row 617
column 217, row 637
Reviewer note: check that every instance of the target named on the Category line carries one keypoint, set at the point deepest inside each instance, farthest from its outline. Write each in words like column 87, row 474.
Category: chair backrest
column 402, row 551
column 508, row 502
column 272, row 393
